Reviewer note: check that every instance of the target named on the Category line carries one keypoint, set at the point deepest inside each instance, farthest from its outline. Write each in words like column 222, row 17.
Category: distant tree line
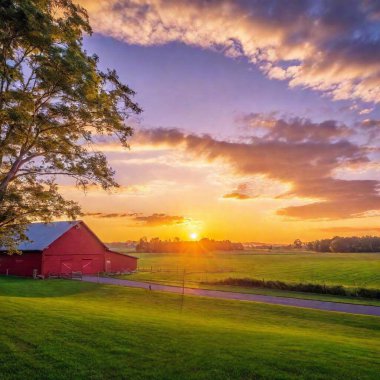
column 177, row 246
column 345, row 244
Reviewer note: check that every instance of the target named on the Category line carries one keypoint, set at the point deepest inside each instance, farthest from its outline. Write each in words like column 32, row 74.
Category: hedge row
column 337, row 290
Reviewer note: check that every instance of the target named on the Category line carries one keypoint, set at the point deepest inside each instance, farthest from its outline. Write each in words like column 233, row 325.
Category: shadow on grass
column 11, row 286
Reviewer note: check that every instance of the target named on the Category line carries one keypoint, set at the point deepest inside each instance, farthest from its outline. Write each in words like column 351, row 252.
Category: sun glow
column 193, row 236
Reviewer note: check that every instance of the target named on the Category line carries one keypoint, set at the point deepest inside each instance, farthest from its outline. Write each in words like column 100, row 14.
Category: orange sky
column 184, row 194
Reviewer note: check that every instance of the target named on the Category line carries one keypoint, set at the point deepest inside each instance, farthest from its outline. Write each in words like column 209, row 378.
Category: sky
column 260, row 119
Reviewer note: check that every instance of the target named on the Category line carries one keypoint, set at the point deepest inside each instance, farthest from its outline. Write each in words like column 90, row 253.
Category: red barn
column 62, row 248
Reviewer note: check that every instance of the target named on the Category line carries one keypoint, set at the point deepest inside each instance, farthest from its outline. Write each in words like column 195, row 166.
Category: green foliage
column 79, row 331
column 346, row 244
column 54, row 106
column 337, row 290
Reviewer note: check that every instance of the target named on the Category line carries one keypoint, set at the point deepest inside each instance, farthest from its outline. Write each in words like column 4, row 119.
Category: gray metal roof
column 41, row 235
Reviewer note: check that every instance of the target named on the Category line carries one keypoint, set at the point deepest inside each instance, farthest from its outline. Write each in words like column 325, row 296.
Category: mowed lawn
column 349, row 269
column 62, row 329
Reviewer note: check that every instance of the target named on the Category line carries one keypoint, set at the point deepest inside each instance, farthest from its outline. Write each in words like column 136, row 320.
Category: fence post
column 183, row 289
column 183, row 281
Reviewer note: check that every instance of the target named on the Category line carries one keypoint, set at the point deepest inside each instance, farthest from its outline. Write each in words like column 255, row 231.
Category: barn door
column 87, row 266
column 66, row 266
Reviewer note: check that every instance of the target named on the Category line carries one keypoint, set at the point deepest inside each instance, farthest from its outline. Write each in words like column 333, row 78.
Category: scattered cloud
column 258, row 187
column 371, row 127
column 110, row 215
column 152, row 220
column 160, row 220
column 293, row 129
column 242, row 192
column 365, row 111
column 236, row 195
column 350, row 230
column 322, row 45
column 305, row 159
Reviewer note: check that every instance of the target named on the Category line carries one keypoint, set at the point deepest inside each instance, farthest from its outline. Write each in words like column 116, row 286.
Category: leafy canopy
column 54, row 105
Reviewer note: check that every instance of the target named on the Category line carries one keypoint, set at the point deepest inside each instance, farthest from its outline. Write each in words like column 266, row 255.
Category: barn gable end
column 77, row 250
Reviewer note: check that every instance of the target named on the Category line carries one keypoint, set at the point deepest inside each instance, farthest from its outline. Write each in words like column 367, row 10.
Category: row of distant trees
column 178, row 246
column 345, row 244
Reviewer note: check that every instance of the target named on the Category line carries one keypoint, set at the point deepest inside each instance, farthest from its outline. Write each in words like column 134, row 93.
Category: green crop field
column 348, row 269
column 61, row 329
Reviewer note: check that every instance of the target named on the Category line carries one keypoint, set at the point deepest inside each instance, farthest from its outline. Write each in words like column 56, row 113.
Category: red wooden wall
column 20, row 265
column 117, row 262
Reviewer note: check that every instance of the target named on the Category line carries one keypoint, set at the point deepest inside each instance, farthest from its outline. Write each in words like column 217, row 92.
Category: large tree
column 54, row 105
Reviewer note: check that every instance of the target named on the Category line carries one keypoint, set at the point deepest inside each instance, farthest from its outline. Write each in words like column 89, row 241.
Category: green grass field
column 349, row 269
column 57, row 329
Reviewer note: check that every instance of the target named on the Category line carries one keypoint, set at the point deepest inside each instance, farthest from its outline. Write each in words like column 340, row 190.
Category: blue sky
column 204, row 91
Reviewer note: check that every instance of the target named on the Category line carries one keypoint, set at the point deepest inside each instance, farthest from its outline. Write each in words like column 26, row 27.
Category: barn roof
column 41, row 235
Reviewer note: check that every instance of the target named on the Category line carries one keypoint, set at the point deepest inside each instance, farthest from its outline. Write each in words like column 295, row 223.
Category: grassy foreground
column 57, row 329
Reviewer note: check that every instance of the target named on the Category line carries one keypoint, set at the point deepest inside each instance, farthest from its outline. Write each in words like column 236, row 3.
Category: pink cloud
column 304, row 159
column 331, row 47
column 153, row 220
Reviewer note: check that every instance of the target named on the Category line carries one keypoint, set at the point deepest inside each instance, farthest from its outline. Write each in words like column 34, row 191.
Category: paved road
column 310, row 304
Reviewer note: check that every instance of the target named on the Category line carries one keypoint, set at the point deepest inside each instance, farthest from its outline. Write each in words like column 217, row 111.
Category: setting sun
column 193, row 236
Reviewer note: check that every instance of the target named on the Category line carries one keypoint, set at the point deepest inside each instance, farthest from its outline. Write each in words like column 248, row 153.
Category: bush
column 336, row 290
